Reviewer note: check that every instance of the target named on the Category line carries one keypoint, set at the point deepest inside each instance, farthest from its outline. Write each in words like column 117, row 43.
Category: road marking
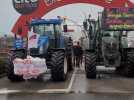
column 67, row 90
column 72, row 80
column 5, row 96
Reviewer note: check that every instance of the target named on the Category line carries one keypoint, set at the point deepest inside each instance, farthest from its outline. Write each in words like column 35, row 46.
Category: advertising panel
column 25, row 6
column 118, row 19
column 16, row 14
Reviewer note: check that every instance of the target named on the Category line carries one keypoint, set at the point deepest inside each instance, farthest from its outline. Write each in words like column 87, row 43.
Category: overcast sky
column 8, row 16
column 75, row 12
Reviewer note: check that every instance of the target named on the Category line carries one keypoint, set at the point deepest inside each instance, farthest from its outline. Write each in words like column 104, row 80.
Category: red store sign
column 40, row 7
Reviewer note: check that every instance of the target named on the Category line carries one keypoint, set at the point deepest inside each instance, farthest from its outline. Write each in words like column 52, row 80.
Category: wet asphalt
column 72, row 96
column 106, row 87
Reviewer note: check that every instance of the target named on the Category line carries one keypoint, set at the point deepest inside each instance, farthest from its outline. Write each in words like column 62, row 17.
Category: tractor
column 51, row 45
column 107, row 48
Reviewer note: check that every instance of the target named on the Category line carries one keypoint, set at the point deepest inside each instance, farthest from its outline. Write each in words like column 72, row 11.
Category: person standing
column 77, row 51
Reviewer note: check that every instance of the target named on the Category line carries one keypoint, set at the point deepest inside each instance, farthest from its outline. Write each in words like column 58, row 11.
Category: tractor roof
column 46, row 21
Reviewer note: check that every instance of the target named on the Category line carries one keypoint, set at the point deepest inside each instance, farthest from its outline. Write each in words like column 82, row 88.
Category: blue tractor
column 51, row 45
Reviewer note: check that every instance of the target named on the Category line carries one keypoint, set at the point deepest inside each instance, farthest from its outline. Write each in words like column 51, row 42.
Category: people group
column 75, row 48
column 78, row 54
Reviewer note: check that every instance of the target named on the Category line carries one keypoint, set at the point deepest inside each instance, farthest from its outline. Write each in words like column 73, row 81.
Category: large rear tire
column 90, row 65
column 129, row 68
column 59, row 66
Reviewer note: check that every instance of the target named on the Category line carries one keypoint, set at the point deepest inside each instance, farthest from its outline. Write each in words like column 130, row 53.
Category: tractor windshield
column 112, row 34
column 58, row 28
column 44, row 29
column 47, row 29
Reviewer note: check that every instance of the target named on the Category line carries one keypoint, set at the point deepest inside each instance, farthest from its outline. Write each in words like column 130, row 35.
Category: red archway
column 44, row 8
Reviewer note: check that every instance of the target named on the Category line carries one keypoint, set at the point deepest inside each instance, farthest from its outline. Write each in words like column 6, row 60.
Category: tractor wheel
column 69, row 63
column 10, row 72
column 10, row 67
column 90, row 65
column 129, row 69
column 59, row 66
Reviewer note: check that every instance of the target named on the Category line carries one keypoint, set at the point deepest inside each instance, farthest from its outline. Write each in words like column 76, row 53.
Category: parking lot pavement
column 44, row 85
column 67, row 97
column 105, row 83
column 76, row 83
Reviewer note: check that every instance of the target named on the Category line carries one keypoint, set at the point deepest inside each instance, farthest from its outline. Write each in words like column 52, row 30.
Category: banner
column 30, row 67
column 118, row 19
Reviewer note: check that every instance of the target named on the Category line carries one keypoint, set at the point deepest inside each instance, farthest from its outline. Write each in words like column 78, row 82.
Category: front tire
column 9, row 66
column 10, row 72
column 90, row 65
column 59, row 66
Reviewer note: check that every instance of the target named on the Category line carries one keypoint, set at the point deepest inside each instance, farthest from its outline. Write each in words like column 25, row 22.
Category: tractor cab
column 47, row 27
column 48, row 33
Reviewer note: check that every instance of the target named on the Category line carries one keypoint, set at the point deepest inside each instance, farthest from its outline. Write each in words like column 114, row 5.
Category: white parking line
column 67, row 90
column 6, row 91
column 5, row 96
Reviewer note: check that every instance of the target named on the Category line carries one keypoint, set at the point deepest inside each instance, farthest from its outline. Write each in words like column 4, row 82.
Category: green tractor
column 107, row 48
column 52, row 45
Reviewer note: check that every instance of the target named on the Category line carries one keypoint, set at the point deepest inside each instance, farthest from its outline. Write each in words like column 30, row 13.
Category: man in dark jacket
column 77, row 51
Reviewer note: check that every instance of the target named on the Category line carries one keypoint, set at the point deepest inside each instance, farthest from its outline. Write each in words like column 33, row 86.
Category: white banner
column 30, row 67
